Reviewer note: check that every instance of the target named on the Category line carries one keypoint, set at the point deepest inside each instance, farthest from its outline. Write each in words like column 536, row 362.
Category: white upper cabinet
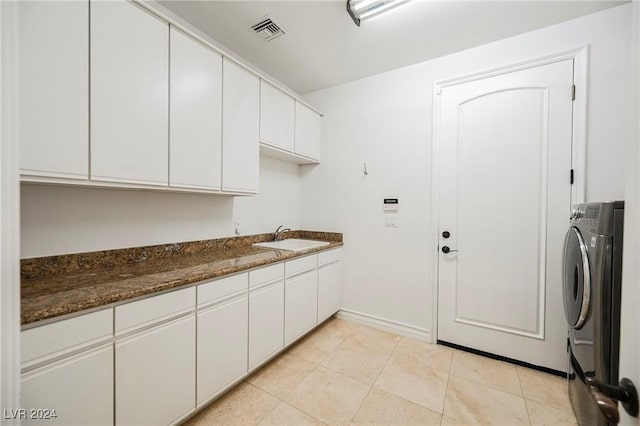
column 240, row 129
column 53, row 54
column 112, row 95
column 277, row 111
column 308, row 132
column 129, row 94
column 195, row 139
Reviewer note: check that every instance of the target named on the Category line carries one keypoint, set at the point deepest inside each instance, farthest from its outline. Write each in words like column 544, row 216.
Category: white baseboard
column 386, row 325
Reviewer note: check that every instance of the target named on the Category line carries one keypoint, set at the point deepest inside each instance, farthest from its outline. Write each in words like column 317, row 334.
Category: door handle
column 446, row 249
column 607, row 397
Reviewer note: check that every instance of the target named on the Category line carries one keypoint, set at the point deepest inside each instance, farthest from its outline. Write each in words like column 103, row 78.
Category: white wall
column 385, row 121
column 59, row 220
column 9, row 217
column 630, row 316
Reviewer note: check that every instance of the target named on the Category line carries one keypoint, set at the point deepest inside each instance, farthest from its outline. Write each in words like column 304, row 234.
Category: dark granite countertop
column 60, row 285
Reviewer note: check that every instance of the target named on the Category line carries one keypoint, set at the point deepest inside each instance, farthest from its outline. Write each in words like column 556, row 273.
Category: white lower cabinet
column 266, row 322
column 68, row 371
column 222, row 346
column 154, row 361
column 77, row 390
column 300, row 307
column 155, row 374
column 329, row 283
column 329, row 290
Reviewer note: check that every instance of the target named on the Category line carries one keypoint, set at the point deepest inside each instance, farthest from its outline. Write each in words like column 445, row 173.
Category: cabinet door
column 54, row 88
column 277, row 111
column 155, row 374
column 266, row 323
column 308, row 132
column 79, row 389
column 129, row 94
column 329, row 290
column 222, row 346
column 195, row 140
column 301, row 303
column 240, row 129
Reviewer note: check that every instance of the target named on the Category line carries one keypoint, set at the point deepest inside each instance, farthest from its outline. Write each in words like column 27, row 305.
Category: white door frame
column 9, row 216
column 578, row 140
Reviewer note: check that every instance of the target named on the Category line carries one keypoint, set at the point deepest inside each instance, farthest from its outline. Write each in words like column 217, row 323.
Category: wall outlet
column 236, row 228
column 390, row 220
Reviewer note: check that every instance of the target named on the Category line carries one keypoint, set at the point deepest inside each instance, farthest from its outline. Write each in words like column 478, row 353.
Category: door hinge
column 571, row 177
column 573, row 92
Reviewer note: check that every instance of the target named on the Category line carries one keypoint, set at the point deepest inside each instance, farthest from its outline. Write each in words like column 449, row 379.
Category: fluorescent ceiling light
column 361, row 10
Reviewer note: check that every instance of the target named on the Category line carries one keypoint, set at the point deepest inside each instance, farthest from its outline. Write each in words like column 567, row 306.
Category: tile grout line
column 489, row 385
column 537, row 400
column 262, row 390
column 376, row 379
column 498, row 390
column 283, row 400
column 446, row 389
column 364, row 346
column 526, row 407
column 327, row 368
column 301, row 381
column 317, row 365
column 353, row 418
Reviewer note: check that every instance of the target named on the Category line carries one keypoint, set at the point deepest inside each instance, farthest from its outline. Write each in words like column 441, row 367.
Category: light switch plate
column 390, row 220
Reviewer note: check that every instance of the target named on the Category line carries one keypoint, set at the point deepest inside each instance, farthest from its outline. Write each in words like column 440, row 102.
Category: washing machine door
column 576, row 279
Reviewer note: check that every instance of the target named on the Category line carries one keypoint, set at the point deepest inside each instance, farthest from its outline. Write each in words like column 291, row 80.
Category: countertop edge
column 48, row 315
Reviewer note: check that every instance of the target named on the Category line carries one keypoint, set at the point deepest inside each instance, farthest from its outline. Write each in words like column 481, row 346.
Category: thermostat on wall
column 390, row 204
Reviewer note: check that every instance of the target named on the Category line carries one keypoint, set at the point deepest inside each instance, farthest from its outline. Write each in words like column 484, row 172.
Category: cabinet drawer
column 154, row 309
column 329, row 256
column 48, row 341
column 266, row 275
column 221, row 288
column 302, row 264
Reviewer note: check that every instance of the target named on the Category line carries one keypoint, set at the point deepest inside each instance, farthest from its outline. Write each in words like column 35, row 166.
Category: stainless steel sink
column 292, row 244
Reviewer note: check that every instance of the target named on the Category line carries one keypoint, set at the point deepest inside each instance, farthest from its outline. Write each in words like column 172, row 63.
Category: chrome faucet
column 277, row 236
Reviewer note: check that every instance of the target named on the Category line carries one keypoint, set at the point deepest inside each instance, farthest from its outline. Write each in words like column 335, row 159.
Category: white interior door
column 504, row 153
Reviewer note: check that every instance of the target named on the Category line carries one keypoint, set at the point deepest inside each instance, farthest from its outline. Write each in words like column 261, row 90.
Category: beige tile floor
column 349, row 374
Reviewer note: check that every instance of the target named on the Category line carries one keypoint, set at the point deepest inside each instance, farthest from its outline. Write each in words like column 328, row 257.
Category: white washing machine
column 592, row 282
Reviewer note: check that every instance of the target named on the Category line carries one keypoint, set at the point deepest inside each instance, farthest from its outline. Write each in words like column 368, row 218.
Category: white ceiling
column 324, row 48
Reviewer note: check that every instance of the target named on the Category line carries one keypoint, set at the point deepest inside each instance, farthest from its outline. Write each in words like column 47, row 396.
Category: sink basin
column 292, row 244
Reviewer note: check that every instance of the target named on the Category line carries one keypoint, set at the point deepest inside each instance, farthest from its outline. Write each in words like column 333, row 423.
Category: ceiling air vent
column 267, row 29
